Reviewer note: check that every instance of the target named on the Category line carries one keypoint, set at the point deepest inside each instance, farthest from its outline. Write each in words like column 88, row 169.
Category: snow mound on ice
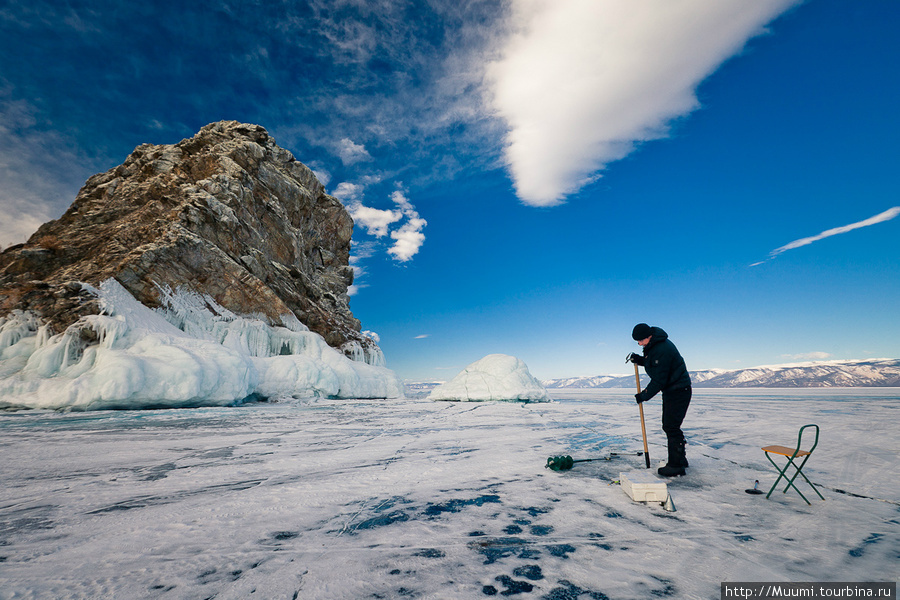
column 190, row 352
column 494, row 377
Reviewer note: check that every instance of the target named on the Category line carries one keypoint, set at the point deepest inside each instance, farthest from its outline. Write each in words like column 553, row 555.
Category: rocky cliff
column 226, row 214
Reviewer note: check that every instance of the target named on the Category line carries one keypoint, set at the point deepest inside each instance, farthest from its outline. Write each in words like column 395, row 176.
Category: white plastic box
column 643, row 487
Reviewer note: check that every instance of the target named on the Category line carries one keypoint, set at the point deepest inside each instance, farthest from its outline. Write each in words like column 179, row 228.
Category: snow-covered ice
column 351, row 499
column 494, row 377
column 192, row 352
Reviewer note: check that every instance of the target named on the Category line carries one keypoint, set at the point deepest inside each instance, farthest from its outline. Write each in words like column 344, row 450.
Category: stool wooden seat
column 784, row 450
column 791, row 454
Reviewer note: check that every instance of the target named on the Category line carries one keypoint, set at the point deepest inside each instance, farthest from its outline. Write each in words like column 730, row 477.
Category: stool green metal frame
column 791, row 454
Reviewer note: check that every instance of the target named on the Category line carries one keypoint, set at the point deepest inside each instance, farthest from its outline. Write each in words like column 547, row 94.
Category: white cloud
column 352, row 153
column 348, row 192
column 15, row 227
column 361, row 250
column 402, row 202
column 408, row 239
column 322, row 175
column 375, row 221
column 39, row 170
column 581, row 82
column 879, row 218
column 421, row 337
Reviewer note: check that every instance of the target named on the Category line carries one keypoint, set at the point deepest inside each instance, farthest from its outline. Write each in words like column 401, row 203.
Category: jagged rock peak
column 226, row 213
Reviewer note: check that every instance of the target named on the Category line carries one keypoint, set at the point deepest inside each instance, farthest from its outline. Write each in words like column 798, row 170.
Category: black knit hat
column 641, row 332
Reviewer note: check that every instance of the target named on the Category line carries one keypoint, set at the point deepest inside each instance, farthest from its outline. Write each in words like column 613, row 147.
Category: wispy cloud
column 352, row 153
column 348, row 192
column 39, row 172
column 403, row 79
column 359, row 252
column 421, row 337
column 879, row 218
column 582, row 82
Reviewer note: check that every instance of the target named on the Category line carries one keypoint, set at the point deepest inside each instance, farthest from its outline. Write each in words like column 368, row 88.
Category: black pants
column 674, row 407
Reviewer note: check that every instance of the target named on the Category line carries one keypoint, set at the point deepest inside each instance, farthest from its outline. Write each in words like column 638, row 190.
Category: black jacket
column 663, row 364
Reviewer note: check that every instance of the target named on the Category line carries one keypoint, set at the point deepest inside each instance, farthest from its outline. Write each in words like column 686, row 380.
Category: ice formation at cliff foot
column 189, row 352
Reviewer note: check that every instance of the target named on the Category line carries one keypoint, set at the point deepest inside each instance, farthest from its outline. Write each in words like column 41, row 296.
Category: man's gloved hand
column 635, row 358
column 638, row 398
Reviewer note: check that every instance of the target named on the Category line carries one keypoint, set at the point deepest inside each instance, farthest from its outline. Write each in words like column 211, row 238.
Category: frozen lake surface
column 354, row 499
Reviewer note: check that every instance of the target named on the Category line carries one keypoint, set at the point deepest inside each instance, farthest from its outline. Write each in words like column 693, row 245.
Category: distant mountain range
column 878, row 372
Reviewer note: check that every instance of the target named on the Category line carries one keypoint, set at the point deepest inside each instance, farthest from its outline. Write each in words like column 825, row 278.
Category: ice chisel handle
column 637, row 382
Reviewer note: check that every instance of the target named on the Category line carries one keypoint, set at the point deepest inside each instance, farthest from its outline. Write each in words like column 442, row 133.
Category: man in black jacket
column 669, row 375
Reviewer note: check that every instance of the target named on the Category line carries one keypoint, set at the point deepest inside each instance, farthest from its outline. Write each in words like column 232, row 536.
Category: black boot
column 677, row 456
column 670, row 471
column 677, row 459
column 682, row 455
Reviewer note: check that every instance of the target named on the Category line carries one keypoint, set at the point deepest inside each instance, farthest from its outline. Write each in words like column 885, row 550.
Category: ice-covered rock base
column 494, row 377
column 191, row 352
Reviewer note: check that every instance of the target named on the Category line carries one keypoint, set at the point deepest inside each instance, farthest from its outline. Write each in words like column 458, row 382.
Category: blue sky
column 527, row 177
